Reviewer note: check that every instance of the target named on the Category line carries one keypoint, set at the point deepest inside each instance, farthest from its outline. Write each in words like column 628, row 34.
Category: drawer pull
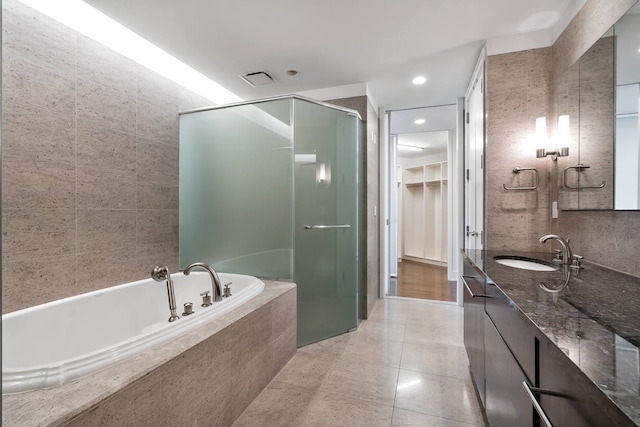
column 466, row 285
column 536, row 404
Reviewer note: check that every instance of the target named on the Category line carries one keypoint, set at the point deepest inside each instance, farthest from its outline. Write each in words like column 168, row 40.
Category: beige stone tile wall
column 518, row 91
column 89, row 165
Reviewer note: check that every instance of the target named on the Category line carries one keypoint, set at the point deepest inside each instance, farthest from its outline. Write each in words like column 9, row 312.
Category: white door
column 474, row 157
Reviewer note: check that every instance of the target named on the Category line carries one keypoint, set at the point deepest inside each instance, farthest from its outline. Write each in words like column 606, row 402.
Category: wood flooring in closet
column 424, row 281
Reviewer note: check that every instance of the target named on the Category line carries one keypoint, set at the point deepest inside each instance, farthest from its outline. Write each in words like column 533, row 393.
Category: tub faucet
column 215, row 280
column 160, row 274
column 567, row 256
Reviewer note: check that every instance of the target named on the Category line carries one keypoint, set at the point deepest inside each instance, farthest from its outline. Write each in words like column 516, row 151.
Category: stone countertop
column 56, row 406
column 594, row 320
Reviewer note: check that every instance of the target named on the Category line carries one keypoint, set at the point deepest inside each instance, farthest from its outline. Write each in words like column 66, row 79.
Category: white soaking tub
column 46, row 345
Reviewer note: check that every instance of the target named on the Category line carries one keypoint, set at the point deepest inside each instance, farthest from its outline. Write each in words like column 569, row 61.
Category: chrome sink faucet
column 215, row 280
column 567, row 256
column 160, row 274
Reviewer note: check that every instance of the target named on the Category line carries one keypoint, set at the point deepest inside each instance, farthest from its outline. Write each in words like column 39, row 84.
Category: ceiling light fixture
column 419, row 80
column 410, row 147
column 419, row 121
column 292, row 73
column 94, row 24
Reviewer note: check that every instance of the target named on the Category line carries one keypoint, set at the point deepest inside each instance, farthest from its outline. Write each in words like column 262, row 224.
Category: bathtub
column 49, row 344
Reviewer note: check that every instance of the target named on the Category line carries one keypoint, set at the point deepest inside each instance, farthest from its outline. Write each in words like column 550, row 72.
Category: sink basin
column 525, row 263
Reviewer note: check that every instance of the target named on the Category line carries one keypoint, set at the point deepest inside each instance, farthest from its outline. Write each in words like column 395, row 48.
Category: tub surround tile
column 112, row 108
column 150, row 386
column 157, row 226
column 157, row 158
column 105, row 67
column 105, row 188
column 55, row 276
column 28, row 35
column 33, row 233
column 105, row 229
column 283, row 348
column 40, row 134
column 284, row 313
column 103, row 148
column 121, row 265
column 37, row 184
column 158, row 123
column 158, row 192
column 248, row 380
column 36, row 87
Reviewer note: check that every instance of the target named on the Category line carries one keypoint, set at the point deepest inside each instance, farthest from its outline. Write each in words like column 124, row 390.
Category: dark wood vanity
column 528, row 347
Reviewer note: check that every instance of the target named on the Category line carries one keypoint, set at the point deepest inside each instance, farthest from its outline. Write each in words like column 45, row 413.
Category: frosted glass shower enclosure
column 272, row 188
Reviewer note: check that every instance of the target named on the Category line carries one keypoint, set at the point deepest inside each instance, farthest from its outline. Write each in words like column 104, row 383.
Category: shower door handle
column 314, row 227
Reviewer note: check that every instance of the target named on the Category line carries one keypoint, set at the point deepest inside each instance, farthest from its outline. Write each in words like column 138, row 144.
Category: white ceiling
column 336, row 42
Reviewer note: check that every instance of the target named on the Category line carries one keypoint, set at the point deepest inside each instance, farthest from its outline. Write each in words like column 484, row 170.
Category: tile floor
column 404, row 366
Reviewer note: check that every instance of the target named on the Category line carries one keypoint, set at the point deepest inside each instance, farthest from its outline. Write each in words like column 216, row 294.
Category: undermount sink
column 525, row 263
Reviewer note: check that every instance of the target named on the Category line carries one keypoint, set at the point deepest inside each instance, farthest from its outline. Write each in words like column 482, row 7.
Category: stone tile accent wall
column 518, row 91
column 89, row 165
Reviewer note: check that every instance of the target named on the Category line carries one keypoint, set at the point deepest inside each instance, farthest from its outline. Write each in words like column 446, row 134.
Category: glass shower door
column 327, row 252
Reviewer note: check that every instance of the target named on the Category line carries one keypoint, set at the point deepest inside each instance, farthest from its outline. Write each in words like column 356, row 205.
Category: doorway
column 420, row 194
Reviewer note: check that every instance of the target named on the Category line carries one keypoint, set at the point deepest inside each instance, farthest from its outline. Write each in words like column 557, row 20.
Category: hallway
column 405, row 366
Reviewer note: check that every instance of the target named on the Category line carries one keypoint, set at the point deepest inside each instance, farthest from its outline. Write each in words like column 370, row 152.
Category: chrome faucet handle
column 227, row 290
column 188, row 309
column 558, row 257
column 577, row 262
column 206, row 299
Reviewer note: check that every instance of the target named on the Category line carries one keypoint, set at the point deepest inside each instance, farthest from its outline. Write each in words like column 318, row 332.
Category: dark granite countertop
column 594, row 320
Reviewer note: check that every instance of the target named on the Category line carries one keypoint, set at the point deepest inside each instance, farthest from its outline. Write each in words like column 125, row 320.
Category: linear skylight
column 96, row 25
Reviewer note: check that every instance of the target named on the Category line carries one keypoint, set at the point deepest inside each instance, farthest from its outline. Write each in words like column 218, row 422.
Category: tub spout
column 160, row 274
column 215, row 280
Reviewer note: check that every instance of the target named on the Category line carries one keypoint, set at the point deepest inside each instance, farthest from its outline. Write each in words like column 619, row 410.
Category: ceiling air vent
column 259, row 78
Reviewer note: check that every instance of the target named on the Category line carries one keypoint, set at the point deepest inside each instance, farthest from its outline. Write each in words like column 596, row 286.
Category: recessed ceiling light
column 419, row 121
column 292, row 73
column 419, row 80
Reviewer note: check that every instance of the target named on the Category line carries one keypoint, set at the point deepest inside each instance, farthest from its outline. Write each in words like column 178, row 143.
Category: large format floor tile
column 405, row 366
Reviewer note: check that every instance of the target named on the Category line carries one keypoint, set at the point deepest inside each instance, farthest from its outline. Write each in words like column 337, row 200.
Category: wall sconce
column 561, row 142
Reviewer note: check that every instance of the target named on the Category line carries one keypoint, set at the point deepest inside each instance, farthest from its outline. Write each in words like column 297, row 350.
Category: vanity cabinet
column 580, row 403
column 474, row 326
column 506, row 349
column 507, row 403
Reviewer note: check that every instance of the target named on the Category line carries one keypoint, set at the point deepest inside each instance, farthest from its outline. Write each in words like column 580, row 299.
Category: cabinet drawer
column 507, row 403
column 582, row 403
column 516, row 330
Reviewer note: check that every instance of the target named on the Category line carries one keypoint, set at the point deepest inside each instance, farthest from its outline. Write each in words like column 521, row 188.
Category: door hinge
column 482, row 86
column 481, row 161
column 467, row 117
column 467, row 174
